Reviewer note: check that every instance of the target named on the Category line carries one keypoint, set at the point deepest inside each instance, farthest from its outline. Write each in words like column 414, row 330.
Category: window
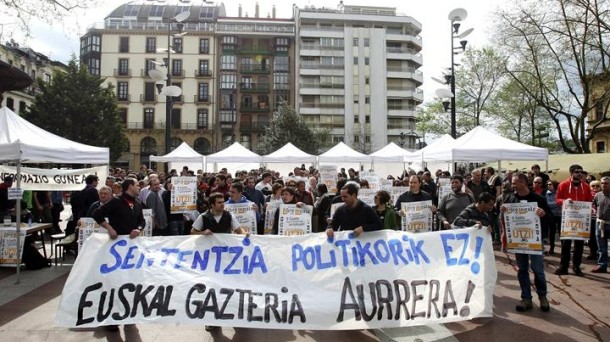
column 281, row 63
column 203, row 92
column 202, row 146
column 367, row 119
column 148, row 146
column 355, row 41
column 599, row 111
column 366, row 42
column 123, row 91
column 124, row 44
column 229, row 40
column 204, row 67
column 367, row 100
column 178, row 99
column 227, row 101
column 94, row 66
column 228, row 81
column 131, row 10
column 156, row 11
column 149, row 65
column 22, row 107
column 123, row 66
column 177, row 44
column 204, row 46
column 282, row 44
column 123, row 115
column 176, row 118
column 151, row 44
column 149, row 91
column 228, row 62
column 149, row 118
column 176, row 67
column 356, row 60
column 280, row 81
column 366, row 61
column 600, row 147
column 10, row 103
column 202, row 118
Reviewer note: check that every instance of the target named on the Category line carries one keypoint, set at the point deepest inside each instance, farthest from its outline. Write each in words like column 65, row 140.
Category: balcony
column 178, row 99
column 178, row 73
column 254, row 69
column 322, row 85
column 148, row 98
column 122, row 73
column 254, row 50
column 255, row 108
column 144, row 72
column 254, row 87
column 253, row 127
column 124, row 98
column 201, row 98
column 228, row 118
column 322, row 105
column 144, row 125
column 202, row 73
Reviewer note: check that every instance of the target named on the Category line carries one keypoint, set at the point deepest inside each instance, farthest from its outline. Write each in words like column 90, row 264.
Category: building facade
column 599, row 116
column 358, row 73
column 33, row 63
column 352, row 71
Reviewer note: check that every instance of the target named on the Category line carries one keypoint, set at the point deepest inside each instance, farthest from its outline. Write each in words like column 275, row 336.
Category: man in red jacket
column 572, row 189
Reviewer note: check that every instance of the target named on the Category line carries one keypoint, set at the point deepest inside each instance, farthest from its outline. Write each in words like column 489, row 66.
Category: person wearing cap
column 6, row 205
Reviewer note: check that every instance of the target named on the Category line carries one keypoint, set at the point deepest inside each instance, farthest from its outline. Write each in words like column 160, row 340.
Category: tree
column 49, row 11
column 76, row 106
column 561, row 47
column 478, row 77
column 436, row 120
column 288, row 126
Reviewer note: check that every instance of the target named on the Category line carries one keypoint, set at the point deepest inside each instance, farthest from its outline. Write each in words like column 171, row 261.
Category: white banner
column 418, row 216
column 246, row 216
column 294, row 220
column 575, row 220
column 523, row 228
column 53, row 179
column 184, row 194
column 378, row 280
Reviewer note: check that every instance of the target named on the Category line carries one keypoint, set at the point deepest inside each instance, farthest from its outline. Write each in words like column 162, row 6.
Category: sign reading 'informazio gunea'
column 380, row 279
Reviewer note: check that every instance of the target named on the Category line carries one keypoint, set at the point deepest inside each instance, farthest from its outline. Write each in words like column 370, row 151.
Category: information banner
column 8, row 245
column 294, row 220
column 523, row 228
column 184, row 194
column 328, row 176
column 418, row 216
column 381, row 279
column 53, row 179
column 246, row 216
column 575, row 220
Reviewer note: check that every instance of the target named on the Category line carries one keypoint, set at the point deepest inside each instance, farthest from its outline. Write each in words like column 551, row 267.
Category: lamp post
column 168, row 90
column 404, row 137
column 455, row 16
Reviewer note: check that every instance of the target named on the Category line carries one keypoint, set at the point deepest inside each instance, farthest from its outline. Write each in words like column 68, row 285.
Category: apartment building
column 35, row 64
column 599, row 95
column 358, row 73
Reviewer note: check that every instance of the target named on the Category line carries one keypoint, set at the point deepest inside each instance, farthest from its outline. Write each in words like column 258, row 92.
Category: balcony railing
column 144, row 98
column 396, row 49
column 404, row 69
column 255, row 108
column 253, row 126
column 322, row 66
column 321, row 47
column 124, row 98
column 254, row 69
column 201, row 98
column 203, row 73
column 178, row 73
column 322, row 105
column 122, row 72
column 254, row 87
column 161, row 125
column 322, row 85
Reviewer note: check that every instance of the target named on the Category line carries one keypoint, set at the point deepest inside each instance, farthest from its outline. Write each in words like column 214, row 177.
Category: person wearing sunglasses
column 572, row 189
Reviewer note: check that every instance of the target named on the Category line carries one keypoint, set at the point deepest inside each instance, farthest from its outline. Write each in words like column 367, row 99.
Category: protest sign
column 52, row 179
column 184, row 194
column 88, row 226
column 294, row 220
column 270, row 209
column 367, row 196
column 396, row 192
column 444, row 187
column 328, row 176
column 379, row 280
column 334, row 207
column 522, row 228
column 418, row 216
column 148, row 222
column 246, row 216
column 575, row 220
column 8, row 245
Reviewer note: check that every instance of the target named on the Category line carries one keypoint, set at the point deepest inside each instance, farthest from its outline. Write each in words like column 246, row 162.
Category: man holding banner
column 217, row 219
column 524, row 195
column 354, row 214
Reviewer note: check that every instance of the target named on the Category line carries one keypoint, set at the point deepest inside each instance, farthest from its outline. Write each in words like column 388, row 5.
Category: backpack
column 32, row 258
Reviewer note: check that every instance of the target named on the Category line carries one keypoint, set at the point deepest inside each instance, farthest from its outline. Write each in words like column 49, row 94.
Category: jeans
column 602, row 245
column 174, row 228
column 523, row 261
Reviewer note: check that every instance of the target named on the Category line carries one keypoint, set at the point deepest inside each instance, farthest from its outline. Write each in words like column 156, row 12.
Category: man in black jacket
column 354, row 215
column 477, row 213
column 124, row 213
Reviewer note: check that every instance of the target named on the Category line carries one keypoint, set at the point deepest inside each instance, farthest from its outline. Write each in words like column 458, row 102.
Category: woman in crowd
column 384, row 210
column 289, row 196
column 321, row 206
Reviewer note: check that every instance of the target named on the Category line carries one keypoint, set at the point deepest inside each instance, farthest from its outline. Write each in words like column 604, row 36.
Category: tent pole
column 18, row 223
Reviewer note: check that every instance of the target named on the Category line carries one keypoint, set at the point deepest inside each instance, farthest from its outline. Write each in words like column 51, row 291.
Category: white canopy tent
column 287, row 157
column 391, row 153
column 24, row 142
column 182, row 154
column 439, row 144
column 341, row 153
column 481, row 145
column 235, row 157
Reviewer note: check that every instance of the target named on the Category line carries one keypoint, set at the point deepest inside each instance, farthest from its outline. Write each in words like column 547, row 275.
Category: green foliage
column 75, row 105
column 288, row 127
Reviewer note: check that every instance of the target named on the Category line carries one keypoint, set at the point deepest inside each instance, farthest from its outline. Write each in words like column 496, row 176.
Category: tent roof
column 183, row 154
column 341, row 153
column 438, row 144
column 482, row 145
column 289, row 154
column 391, row 153
column 22, row 140
column 235, row 153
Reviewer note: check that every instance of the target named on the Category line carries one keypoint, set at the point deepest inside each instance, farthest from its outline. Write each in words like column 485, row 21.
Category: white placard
column 397, row 191
column 328, row 176
column 184, row 194
column 15, row 193
column 270, row 209
column 575, row 220
column 88, row 227
column 8, row 245
column 294, row 220
column 522, row 228
column 418, row 216
column 245, row 214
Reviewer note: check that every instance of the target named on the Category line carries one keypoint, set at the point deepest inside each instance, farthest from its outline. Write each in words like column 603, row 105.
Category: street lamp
column 455, row 16
column 404, row 136
column 169, row 91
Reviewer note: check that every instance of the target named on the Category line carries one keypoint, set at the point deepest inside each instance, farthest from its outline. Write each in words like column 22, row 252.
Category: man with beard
column 452, row 204
column 572, row 189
